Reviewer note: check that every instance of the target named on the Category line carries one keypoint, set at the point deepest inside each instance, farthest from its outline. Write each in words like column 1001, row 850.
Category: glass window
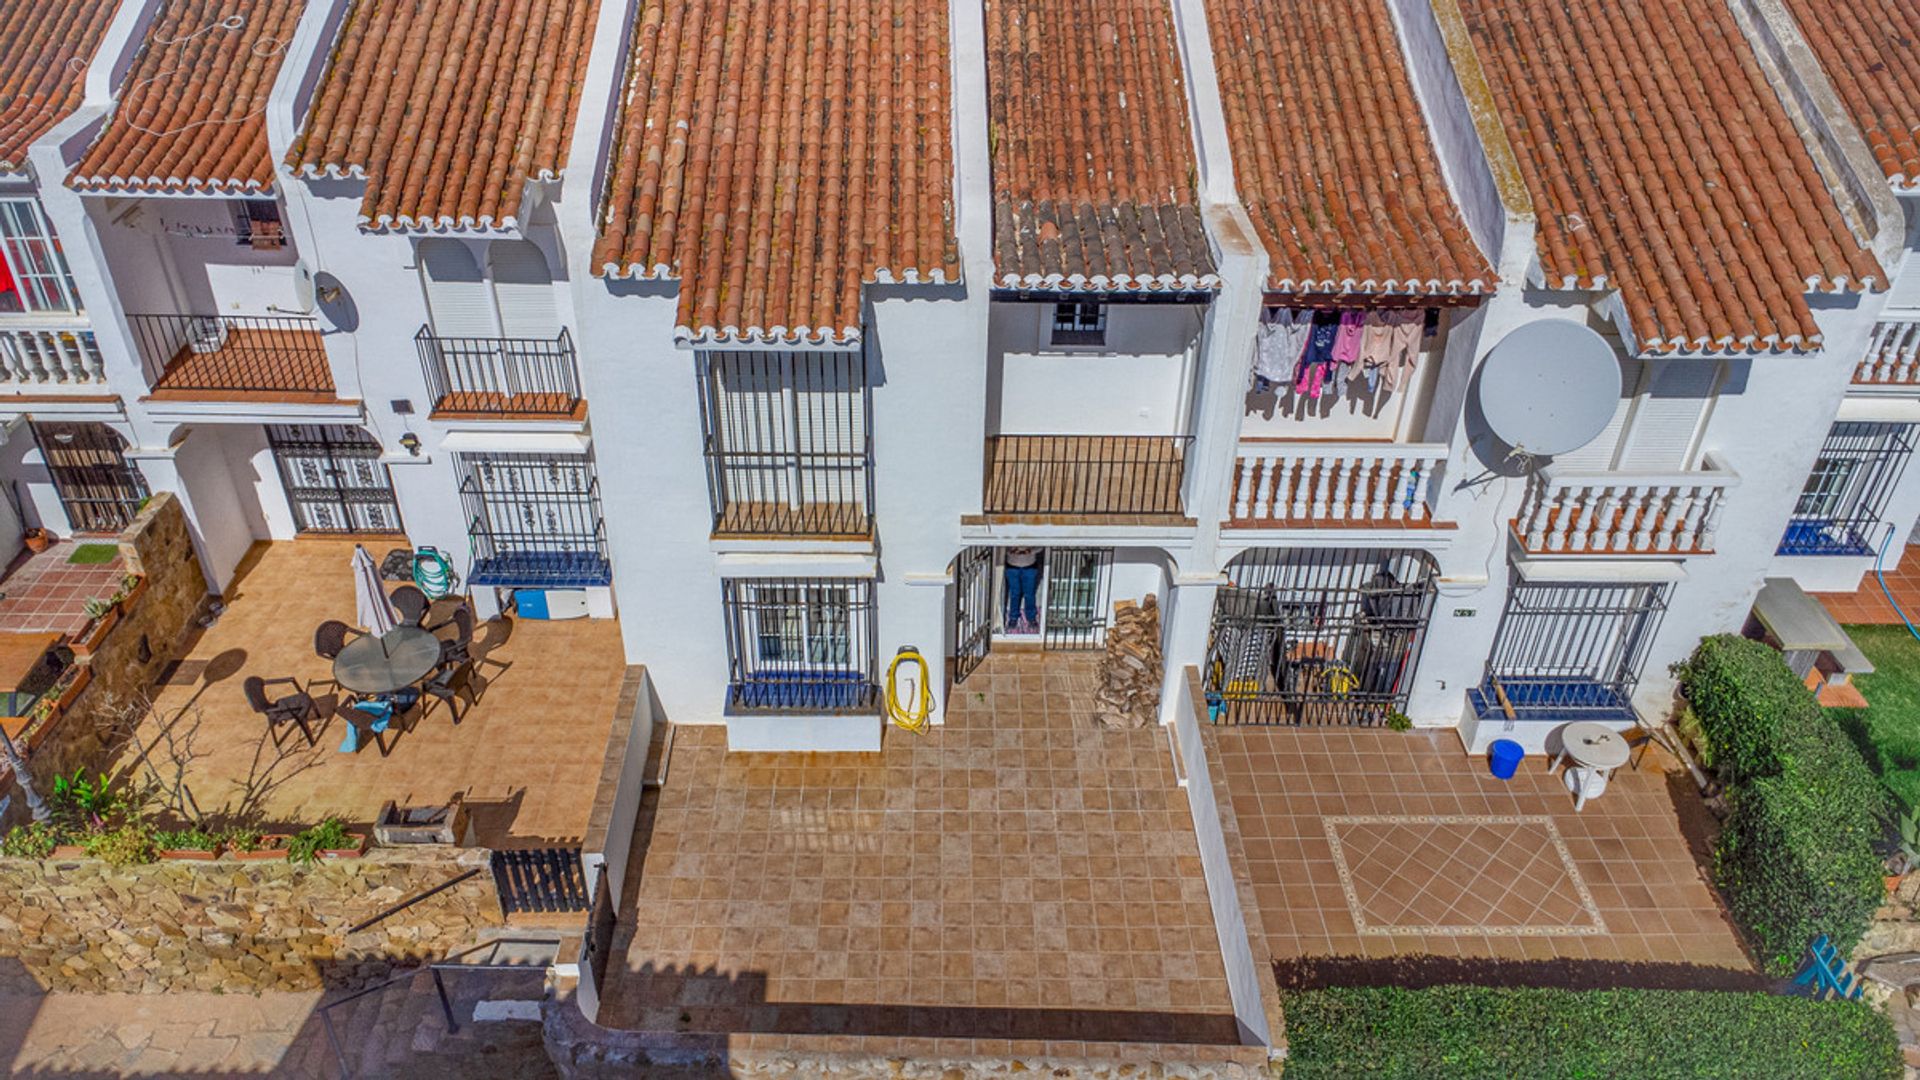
column 41, row 281
column 1079, row 323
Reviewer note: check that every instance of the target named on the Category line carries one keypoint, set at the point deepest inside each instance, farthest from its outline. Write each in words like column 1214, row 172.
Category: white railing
column 58, row 355
column 1893, row 354
column 1281, row 484
column 1622, row 512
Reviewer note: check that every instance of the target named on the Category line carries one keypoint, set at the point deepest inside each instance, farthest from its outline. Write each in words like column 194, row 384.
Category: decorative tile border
column 1333, row 822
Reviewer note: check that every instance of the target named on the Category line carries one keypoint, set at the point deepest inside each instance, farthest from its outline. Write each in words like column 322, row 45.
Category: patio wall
column 81, row 925
column 147, row 638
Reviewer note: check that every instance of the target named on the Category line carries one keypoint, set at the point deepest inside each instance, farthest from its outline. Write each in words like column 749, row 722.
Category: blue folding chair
column 1825, row 975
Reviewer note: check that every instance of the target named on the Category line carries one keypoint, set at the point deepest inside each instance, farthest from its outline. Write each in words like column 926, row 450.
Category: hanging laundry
column 6, row 274
column 1346, row 344
column 1278, row 344
column 1316, row 363
column 1390, row 345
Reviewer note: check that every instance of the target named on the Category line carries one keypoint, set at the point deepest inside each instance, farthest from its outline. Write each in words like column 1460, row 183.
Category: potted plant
column 131, row 587
column 252, row 845
column 76, row 680
column 1906, row 849
column 129, row 845
column 38, row 840
column 105, row 612
column 37, row 540
column 327, row 840
column 192, row 844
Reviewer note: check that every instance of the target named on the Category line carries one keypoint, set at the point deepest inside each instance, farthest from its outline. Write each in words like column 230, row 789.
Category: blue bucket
column 1503, row 757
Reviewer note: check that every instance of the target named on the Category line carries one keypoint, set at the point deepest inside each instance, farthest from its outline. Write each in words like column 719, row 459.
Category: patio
column 1377, row 844
column 46, row 593
column 527, row 756
column 1017, row 874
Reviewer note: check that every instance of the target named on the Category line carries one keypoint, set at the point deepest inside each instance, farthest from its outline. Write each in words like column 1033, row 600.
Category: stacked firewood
column 1127, row 684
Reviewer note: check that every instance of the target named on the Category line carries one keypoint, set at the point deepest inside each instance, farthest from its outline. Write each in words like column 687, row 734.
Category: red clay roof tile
column 1662, row 165
column 774, row 155
column 191, row 113
column 447, row 108
column 44, row 50
column 1331, row 151
column 1093, row 165
column 1871, row 52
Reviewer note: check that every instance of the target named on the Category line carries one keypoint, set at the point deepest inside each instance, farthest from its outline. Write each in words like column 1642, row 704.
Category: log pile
column 1127, row 684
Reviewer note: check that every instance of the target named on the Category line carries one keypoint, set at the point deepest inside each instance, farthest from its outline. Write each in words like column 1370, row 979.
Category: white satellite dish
column 303, row 285
column 1550, row 387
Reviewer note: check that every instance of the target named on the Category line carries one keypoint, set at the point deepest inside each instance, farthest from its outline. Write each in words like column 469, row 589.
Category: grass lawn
column 94, row 554
column 1888, row 729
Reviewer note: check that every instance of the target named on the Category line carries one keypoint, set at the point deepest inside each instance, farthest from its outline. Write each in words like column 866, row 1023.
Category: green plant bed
column 1467, row 1033
column 1888, row 729
column 94, row 554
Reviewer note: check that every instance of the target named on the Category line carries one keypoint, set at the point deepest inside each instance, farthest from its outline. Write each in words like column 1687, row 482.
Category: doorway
column 100, row 490
column 334, row 479
column 1070, row 590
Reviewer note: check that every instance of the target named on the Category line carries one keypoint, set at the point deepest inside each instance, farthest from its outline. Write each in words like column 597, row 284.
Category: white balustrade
column 56, row 356
column 1893, row 354
column 1283, row 484
column 1606, row 513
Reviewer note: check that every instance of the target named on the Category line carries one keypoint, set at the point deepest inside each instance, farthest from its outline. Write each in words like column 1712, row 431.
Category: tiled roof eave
column 812, row 336
column 1371, row 287
column 1118, row 283
column 169, row 185
column 436, row 225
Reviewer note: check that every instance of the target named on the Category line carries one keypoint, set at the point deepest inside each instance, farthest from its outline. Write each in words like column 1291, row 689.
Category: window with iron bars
column 1570, row 651
column 1839, row 510
column 789, row 443
column 800, row 645
column 1078, row 322
column 534, row 520
column 1318, row 637
column 41, row 280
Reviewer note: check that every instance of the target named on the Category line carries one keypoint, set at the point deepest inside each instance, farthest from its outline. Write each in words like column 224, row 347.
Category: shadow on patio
column 527, row 755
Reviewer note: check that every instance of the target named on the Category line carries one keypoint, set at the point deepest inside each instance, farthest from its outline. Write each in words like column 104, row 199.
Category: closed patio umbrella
column 369, row 599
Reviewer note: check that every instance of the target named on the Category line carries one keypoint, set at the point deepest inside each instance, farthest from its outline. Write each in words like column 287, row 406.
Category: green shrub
column 1796, row 864
column 1467, row 1033
column 186, row 840
column 34, row 841
column 307, row 844
column 1746, row 699
column 128, row 845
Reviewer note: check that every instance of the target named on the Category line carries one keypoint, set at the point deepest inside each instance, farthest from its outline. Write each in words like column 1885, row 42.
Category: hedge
column 1796, row 857
column 1468, row 1032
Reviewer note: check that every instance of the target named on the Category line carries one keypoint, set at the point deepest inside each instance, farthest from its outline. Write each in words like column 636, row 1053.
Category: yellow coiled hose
column 912, row 718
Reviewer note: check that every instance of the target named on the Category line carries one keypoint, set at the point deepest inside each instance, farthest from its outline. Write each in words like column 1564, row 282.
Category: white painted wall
column 1138, row 384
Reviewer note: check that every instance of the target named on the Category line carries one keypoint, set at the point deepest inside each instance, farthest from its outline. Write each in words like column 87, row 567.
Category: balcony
column 1893, row 355
column 1296, row 485
column 819, row 495
column 58, row 352
column 233, row 357
column 501, row 378
column 1568, row 512
column 1117, row 479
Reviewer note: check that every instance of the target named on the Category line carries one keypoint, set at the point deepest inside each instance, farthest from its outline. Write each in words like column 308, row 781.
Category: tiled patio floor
column 1376, row 843
column 47, row 593
column 1015, row 874
column 1868, row 603
column 528, row 755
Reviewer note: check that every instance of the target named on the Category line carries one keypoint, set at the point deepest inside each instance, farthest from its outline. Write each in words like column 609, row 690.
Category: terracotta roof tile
column 774, row 155
column 44, row 50
column 1871, row 52
column 1662, row 164
column 191, row 113
column 1093, row 166
column 447, row 107
column 1331, row 151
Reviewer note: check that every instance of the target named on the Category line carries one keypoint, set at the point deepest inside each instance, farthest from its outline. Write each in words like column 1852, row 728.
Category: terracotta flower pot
column 37, row 540
column 190, row 854
column 67, row 851
column 358, row 849
column 96, row 634
column 1893, row 882
column 81, row 677
column 133, row 594
column 271, row 846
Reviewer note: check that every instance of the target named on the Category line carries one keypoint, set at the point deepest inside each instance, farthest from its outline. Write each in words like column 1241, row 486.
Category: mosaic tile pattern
column 1459, row 874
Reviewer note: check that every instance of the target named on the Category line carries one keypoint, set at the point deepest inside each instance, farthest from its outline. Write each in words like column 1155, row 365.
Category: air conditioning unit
column 206, row 335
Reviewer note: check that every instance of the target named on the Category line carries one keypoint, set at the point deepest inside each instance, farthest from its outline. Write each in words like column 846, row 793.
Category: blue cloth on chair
column 382, row 712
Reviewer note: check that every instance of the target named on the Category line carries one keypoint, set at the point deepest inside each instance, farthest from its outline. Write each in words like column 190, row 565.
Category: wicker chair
column 294, row 710
column 411, row 603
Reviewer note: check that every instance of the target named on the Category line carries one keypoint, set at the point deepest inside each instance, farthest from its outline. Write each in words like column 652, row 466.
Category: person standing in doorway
column 1023, row 590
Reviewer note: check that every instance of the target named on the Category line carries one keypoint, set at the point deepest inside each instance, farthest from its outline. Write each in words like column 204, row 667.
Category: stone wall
column 148, row 637
column 81, row 925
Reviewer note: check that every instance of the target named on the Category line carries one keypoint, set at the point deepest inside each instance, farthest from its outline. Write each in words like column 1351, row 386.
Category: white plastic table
column 1594, row 751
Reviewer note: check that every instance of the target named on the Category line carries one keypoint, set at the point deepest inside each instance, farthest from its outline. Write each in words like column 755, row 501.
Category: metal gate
column 1318, row 637
column 1570, row 651
column 99, row 489
column 1076, row 583
column 972, row 610
column 334, row 480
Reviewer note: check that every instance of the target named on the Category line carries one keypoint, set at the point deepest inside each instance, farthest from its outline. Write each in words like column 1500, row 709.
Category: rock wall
column 81, row 925
column 145, row 640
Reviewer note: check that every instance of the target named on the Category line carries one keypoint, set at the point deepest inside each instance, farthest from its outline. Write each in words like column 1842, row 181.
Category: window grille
column 1318, row 637
column 1570, row 651
column 1079, row 323
column 42, row 282
column 1839, row 510
column 535, row 520
column 789, row 443
column 800, row 645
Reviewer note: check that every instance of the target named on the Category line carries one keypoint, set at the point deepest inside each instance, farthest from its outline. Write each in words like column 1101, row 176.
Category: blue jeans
column 1023, row 594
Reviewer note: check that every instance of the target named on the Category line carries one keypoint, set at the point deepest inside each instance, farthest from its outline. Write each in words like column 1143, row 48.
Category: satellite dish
column 1550, row 387
column 303, row 285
